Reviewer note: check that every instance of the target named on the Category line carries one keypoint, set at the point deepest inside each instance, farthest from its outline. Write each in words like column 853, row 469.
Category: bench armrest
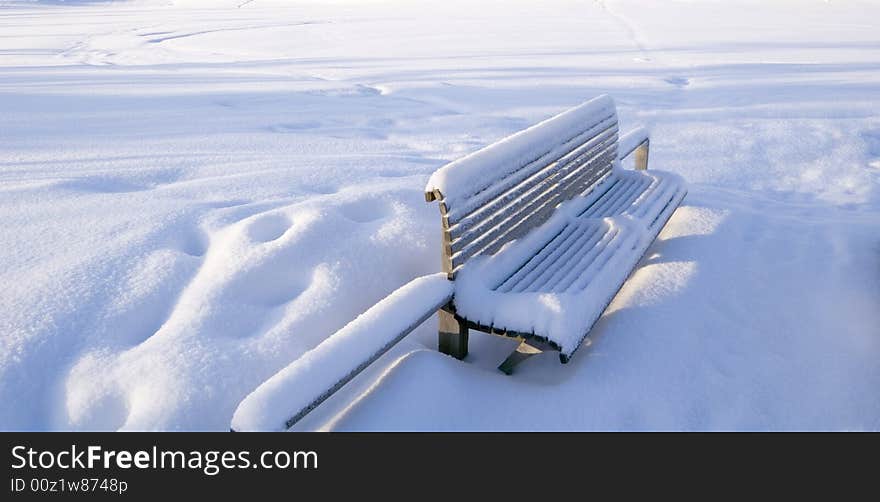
column 637, row 141
column 296, row 390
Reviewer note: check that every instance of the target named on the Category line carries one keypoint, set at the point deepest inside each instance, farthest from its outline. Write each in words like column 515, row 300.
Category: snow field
column 193, row 195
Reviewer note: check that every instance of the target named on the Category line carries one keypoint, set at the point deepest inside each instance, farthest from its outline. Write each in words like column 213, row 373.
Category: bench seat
column 552, row 285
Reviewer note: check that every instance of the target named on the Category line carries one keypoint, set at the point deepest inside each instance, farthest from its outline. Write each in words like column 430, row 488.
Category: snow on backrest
column 500, row 192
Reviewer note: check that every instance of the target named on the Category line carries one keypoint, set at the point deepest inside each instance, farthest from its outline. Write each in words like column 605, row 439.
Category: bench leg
column 523, row 351
column 453, row 335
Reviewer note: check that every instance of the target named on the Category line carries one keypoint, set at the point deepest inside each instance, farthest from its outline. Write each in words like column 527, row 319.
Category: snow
column 542, row 143
column 194, row 195
column 292, row 390
column 556, row 281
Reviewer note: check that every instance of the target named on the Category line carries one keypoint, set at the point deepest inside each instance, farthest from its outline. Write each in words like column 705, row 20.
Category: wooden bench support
column 453, row 334
column 523, row 351
column 642, row 155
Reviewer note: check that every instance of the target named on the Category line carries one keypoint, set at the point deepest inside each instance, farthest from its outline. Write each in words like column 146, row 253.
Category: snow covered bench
column 540, row 230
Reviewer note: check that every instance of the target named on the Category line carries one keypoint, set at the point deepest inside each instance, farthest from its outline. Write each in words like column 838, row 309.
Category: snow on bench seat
column 640, row 194
column 555, row 283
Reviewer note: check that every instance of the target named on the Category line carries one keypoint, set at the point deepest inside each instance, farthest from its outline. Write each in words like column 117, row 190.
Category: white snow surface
column 194, row 194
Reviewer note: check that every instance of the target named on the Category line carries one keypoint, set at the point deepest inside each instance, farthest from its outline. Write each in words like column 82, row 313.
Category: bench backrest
column 499, row 193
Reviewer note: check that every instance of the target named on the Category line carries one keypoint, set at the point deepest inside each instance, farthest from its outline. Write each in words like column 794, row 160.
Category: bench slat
column 546, row 268
column 462, row 207
column 464, row 178
column 553, row 274
column 530, row 269
column 625, row 191
column 560, row 177
column 572, row 161
column 587, row 262
column 557, row 190
column 516, row 224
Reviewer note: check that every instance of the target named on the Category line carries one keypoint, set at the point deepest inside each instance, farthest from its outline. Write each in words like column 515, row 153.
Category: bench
column 541, row 229
column 539, row 232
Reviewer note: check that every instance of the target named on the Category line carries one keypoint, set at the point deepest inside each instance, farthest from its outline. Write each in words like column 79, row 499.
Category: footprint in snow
column 677, row 81
column 269, row 227
column 296, row 126
column 366, row 210
column 193, row 242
